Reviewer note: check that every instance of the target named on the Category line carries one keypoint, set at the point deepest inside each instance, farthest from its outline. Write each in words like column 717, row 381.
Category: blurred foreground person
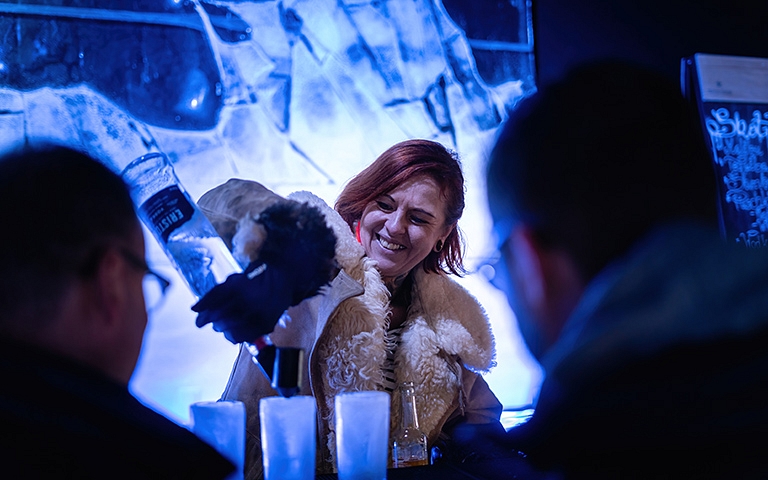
column 653, row 332
column 72, row 320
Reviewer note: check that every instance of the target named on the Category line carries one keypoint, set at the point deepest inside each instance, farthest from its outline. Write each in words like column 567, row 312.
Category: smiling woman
column 392, row 314
column 401, row 227
column 432, row 177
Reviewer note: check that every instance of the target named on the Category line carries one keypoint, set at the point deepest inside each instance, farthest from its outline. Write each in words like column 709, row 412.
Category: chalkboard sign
column 731, row 95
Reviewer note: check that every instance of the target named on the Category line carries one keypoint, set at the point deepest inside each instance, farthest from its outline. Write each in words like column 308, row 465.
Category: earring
column 357, row 233
column 439, row 246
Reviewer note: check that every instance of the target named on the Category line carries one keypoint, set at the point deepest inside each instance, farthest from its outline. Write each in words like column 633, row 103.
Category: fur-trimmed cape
column 446, row 342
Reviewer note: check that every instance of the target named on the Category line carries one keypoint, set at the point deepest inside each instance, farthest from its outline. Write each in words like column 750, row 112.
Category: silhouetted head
column 580, row 172
column 71, row 258
column 596, row 160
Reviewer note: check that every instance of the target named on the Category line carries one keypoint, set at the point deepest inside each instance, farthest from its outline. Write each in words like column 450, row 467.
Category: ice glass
column 362, row 435
column 222, row 425
column 288, row 427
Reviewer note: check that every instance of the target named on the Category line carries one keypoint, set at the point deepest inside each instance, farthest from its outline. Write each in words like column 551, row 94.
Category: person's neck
column 399, row 300
column 400, row 290
column 393, row 284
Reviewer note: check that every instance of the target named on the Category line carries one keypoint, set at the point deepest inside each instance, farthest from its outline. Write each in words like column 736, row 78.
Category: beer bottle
column 409, row 444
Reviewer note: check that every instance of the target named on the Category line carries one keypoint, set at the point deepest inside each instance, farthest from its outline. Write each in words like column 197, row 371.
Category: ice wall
column 294, row 94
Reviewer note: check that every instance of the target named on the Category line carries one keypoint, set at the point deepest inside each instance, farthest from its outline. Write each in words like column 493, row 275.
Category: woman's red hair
column 403, row 161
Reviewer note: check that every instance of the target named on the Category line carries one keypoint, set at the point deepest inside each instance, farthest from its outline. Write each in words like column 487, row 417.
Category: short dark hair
column 596, row 160
column 60, row 209
column 398, row 163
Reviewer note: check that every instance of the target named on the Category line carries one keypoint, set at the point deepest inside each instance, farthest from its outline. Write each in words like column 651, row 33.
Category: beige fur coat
column 445, row 344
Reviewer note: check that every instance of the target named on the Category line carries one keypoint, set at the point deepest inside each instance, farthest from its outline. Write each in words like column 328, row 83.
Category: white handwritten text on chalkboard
column 739, row 149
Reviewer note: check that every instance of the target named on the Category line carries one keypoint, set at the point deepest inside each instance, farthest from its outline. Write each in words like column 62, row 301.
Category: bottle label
column 167, row 210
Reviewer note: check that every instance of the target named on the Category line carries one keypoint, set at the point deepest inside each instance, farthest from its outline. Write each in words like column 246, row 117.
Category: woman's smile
column 389, row 245
column 401, row 227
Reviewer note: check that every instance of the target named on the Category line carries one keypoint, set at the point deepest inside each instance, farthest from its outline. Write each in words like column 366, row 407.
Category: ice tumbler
column 288, row 443
column 222, row 425
column 362, row 435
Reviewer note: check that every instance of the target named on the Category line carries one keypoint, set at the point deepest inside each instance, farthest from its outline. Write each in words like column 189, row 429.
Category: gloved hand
column 295, row 261
column 247, row 305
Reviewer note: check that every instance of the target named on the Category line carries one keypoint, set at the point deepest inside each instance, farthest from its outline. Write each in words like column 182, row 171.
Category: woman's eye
column 419, row 220
column 384, row 206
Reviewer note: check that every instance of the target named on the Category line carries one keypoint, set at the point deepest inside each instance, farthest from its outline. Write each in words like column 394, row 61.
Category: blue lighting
column 297, row 98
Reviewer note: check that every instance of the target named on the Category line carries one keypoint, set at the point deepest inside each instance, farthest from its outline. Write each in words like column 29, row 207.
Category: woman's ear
column 441, row 241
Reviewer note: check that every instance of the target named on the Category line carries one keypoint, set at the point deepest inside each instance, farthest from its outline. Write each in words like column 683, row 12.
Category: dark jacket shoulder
column 60, row 418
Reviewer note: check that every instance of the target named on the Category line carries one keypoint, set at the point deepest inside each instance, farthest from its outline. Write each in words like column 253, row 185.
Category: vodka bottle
column 409, row 444
column 200, row 255
column 189, row 240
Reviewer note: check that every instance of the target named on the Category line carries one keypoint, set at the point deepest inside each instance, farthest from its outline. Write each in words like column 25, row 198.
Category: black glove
column 247, row 305
column 295, row 261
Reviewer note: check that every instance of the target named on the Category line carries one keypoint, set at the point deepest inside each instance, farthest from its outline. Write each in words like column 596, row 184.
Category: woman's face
column 401, row 227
